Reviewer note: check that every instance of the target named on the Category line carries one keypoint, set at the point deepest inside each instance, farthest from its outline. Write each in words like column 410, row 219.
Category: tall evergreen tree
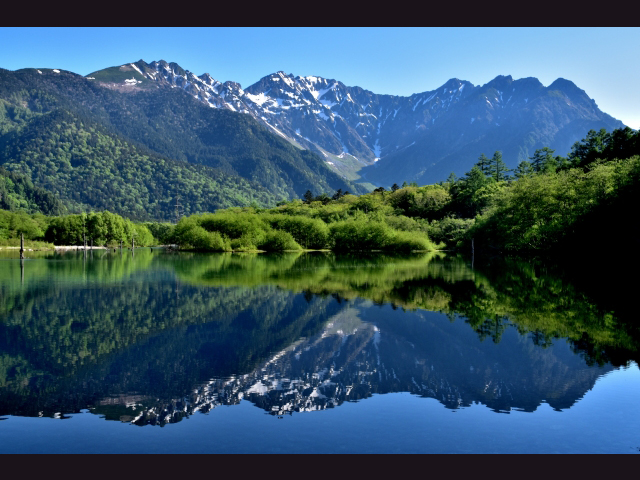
column 308, row 196
column 524, row 169
column 498, row 167
column 590, row 148
column 542, row 159
column 484, row 164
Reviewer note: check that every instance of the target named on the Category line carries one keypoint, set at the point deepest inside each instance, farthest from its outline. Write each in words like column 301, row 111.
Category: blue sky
column 400, row 61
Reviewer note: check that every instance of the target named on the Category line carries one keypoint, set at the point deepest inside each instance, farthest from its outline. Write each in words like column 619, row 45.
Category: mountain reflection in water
column 156, row 337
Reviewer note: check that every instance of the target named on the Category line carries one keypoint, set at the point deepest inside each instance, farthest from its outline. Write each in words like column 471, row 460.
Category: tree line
column 547, row 204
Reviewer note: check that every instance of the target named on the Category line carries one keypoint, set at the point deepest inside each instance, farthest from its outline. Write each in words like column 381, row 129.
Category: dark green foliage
column 67, row 230
column 17, row 192
column 602, row 146
column 463, row 191
column 543, row 160
column 450, row 230
column 569, row 210
column 162, row 232
column 590, row 148
column 308, row 196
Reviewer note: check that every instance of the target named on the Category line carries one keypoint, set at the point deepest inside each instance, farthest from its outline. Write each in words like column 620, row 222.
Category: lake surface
column 199, row 353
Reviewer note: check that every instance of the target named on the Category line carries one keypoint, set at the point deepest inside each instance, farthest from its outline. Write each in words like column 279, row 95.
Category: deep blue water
column 158, row 353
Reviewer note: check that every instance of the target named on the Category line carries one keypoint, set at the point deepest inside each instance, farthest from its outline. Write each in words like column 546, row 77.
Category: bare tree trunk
column 22, row 246
column 473, row 252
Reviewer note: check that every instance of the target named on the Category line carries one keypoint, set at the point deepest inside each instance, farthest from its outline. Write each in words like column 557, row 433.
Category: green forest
column 141, row 154
column 550, row 204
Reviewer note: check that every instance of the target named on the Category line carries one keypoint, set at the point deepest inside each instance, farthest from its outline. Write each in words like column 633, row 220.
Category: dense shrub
column 449, row 230
column 308, row 232
column 360, row 235
column 12, row 224
column 143, row 236
column 406, row 242
column 278, row 241
column 247, row 243
column 194, row 236
column 233, row 225
column 162, row 232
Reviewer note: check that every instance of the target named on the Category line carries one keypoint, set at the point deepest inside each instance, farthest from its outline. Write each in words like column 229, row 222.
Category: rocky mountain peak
column 353, row 128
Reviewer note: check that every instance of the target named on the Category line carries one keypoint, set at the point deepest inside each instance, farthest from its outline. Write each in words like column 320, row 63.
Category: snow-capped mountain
column 423, row 136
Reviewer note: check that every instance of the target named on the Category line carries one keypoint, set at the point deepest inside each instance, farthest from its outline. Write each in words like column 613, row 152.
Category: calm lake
column 158, row 352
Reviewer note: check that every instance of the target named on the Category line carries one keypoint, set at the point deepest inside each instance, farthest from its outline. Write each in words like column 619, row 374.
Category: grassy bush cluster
column 225, row 232
column 273, row 231
column 102, row 228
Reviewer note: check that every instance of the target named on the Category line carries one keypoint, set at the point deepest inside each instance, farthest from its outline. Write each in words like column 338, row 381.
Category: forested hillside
column 135, row 152
column 17, row 192
column 90, row 169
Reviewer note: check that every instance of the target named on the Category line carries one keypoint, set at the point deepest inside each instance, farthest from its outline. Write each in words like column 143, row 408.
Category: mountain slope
column 387, row 138
column 168, row 123
column 515, row 117
column 88, row 168
column 164, row 111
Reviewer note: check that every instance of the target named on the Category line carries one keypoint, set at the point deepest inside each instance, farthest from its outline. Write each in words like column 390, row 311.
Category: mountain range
column 152, row 140
column 388, row 138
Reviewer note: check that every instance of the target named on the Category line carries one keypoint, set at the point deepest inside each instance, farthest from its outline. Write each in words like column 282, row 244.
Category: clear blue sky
column 602, row 61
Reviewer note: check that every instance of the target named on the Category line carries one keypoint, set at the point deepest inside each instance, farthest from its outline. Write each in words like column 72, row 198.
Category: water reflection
column 156, row 337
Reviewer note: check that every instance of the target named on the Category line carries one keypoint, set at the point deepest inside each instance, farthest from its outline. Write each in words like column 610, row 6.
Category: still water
column 194, row 353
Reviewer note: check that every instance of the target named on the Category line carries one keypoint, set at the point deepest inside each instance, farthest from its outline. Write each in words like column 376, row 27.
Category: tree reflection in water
column 155, row 337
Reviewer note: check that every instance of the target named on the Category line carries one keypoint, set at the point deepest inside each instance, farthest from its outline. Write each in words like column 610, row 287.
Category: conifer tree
column 308, row 196
column 498, row 167
column 524, row 169
column 484, row 164
column 540, row 158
